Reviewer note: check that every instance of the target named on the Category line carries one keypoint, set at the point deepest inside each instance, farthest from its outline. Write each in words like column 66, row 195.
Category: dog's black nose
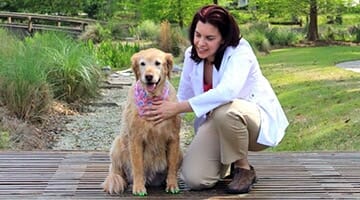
column 148, row 77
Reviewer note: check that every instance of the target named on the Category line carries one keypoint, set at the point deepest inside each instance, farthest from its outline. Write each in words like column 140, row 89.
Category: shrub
column 115, row 55
column 46, row 66
column 95, row 33
column 119, row 26
column 24, row 89
column 258, row 41
column 146, row 30
column 282, row 37
column 355, row 33
column 331, row 33
column 71, row 67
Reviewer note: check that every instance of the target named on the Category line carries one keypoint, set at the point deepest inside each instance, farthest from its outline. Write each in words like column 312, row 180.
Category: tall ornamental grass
column 24, row 88
column 45, row 67
column 7, row 44
column 71, row 67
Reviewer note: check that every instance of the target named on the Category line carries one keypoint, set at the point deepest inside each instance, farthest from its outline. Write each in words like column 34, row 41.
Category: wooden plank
column 78, row 175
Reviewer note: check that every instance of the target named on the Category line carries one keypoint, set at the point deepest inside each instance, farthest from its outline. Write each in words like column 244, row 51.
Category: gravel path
column 96, row 128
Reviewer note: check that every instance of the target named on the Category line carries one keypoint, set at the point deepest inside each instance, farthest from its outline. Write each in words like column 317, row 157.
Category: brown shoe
column 242, row 181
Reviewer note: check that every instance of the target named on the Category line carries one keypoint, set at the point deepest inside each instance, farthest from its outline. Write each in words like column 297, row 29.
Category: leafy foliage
column 146, row 30
column 44, row 67
column 24, row 89
column 96, row 33
column 114, row 54
column 71, row 67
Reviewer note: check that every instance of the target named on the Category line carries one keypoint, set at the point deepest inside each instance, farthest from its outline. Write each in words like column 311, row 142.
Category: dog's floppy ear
column 169, row 64
column 135, row 65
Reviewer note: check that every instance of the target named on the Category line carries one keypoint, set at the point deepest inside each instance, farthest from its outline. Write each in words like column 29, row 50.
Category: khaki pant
column 227, row 135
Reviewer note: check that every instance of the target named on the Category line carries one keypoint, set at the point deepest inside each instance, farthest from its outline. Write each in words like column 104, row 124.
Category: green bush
column 46, row 66
column 355, row 33
column 333, row 33
column 71, row 67
column 146, row 30
column 263, row 36
column 258, row 41
column 115, row 54
column 282, row 36
column 24, row 89
column 96, row 33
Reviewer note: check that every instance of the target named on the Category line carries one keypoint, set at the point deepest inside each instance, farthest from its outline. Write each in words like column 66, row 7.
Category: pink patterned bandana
column 142, row 99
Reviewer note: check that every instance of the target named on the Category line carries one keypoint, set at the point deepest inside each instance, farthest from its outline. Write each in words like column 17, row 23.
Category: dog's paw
column 172, row 189
column 139, row 190
column 114, row 184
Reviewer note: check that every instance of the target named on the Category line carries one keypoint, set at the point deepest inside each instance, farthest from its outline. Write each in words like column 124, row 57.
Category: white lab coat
column 239, row 77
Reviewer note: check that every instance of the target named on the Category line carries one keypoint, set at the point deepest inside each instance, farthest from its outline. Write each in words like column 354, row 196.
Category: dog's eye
column 142, row 63
column 157, row 63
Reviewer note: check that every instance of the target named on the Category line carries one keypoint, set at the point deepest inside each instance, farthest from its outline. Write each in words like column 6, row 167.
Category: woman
column 236, row 109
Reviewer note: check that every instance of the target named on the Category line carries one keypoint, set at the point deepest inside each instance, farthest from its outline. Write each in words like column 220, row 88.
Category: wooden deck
column 78, row 175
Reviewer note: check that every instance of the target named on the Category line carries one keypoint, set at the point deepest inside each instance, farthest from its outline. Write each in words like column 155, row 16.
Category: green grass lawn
column 322, row 101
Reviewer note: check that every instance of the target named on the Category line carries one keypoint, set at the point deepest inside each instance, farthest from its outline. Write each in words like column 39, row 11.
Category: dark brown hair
column 226, row 24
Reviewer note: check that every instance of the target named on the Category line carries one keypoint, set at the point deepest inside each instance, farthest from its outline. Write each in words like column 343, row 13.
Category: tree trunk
column 313, row 34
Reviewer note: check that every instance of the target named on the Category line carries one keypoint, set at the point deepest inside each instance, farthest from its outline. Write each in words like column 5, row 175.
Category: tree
column 297, row 8
column 312, row 34
column 58, row 7
column 175, row 11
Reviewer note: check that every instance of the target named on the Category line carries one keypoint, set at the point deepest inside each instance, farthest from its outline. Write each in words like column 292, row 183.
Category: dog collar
column 142, row 99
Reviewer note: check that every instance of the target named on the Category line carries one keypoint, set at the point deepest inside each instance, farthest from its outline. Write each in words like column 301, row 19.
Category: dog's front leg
column 137, row 166
column 173, row 160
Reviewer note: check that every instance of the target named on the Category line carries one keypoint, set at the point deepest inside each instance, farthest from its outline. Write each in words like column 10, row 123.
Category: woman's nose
column 201, row 41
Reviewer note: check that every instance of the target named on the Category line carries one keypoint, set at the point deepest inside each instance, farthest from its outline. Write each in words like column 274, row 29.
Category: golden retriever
column 145, row 153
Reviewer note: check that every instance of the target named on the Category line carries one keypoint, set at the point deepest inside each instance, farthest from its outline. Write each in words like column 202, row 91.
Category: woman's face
column 207, row 39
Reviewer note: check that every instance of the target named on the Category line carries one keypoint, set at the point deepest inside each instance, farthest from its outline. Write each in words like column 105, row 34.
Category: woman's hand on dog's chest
column 160, row 110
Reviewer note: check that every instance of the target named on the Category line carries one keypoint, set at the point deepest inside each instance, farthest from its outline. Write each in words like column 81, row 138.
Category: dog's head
column 152, row 67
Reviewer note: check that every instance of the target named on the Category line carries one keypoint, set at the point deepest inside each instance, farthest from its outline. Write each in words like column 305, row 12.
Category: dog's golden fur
column 145, row 153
